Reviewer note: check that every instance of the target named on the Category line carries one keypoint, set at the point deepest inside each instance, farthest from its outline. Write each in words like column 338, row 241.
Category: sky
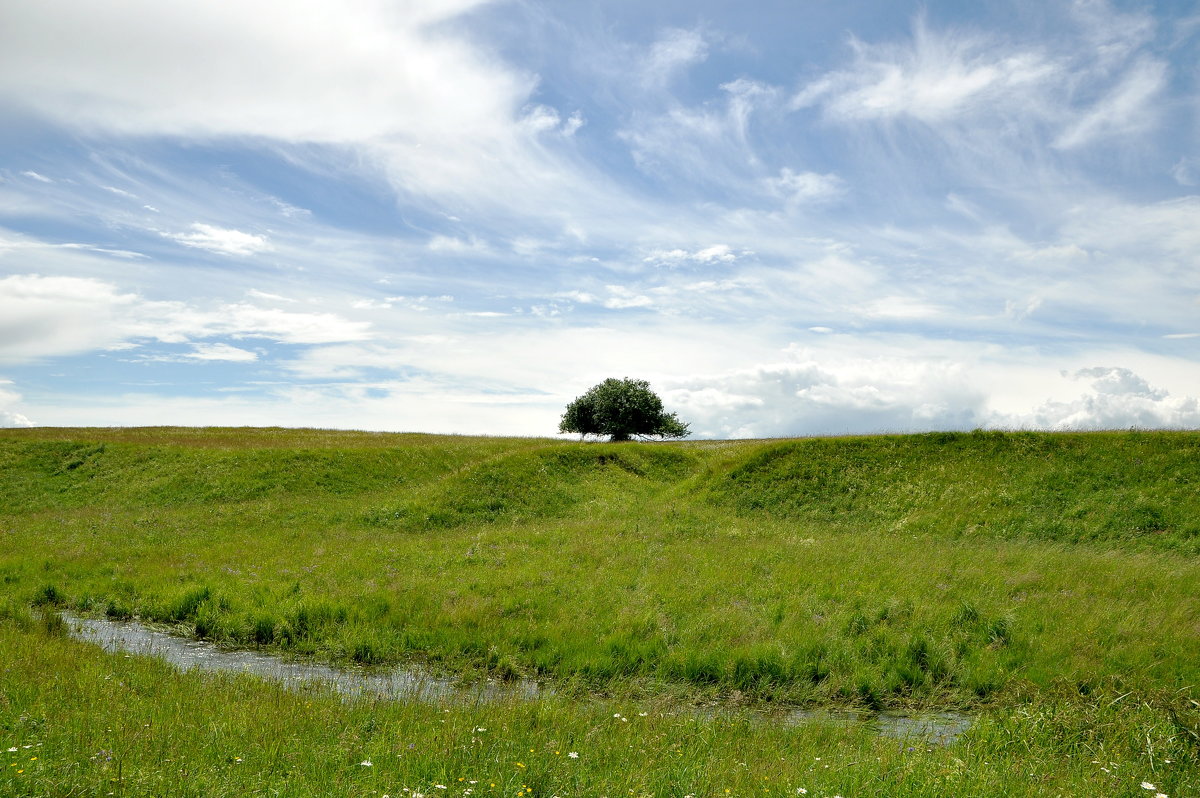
column 792, row 218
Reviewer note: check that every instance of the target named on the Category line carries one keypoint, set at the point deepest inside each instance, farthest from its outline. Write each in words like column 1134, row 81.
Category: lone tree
column 622, row 409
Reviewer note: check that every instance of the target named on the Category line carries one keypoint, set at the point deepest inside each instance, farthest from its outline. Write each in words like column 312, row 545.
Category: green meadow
column 674, row 596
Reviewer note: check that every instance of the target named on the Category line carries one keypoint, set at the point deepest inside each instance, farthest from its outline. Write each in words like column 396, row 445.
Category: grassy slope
column 1053, row 578
column 935, row 569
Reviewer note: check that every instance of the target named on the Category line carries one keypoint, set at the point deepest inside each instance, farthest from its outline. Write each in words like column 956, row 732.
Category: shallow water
column 407, row 683
column 414, row 684
column 929, row 728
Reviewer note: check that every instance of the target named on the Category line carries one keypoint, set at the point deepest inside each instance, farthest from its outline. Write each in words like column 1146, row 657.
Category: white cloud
column 673, row 52
column 1125, row 110
column 257, row 294
column 829, row 391
column 1112, row 35
column 283, row 72
column 806, row 186
column 221, row 240
column 1102, row 83
column 370, row 304
column 1163, row 235
column 713, row 253
column 221, row 352
column 43, row 316
column 543, row 119
column 1054, row 254
column 1186, row 171
column 243, row 320
column 116, row 253
column 1118, row 399
column 411, row 406
column 402, row 86
column 709, row 144
column 939, row 76
column 458, row 246
column 37, row 177
column 823, row 396
column 621, row 298
column 8, row 416
column 898, row 307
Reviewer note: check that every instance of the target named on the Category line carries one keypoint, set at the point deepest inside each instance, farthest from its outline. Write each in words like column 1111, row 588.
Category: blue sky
column 792, row 218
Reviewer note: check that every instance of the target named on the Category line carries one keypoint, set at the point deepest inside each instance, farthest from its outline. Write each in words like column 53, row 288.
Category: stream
column 408, row 683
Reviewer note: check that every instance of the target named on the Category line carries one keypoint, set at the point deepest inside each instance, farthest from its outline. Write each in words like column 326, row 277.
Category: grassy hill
column 945, row 570
column 891, row 569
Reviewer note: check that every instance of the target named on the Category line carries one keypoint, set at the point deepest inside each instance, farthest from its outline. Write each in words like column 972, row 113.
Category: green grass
column 1048, row 580
column 88, row 723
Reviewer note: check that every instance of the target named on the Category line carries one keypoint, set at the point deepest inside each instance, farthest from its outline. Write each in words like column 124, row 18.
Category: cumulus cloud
column 828, row 391
column 1118, row 399
column 8, row 416
column 852, row 395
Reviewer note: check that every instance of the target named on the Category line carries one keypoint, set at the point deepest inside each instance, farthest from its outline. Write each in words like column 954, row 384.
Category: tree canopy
column 622, row 409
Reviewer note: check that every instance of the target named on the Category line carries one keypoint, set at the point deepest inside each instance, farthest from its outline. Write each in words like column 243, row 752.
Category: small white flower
column 573, row 754
column 440, row 786
column 801, row 791
column 1148, row 786
column 643, row 714
column 367, row 763
column 11, row 750
column 1160, row 795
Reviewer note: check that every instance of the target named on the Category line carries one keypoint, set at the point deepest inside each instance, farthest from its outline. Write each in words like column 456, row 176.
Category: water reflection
column 936, row 728
column 414, row 684
column 187, row 654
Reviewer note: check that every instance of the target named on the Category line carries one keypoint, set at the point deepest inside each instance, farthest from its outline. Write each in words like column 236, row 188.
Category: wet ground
column 413, row 684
